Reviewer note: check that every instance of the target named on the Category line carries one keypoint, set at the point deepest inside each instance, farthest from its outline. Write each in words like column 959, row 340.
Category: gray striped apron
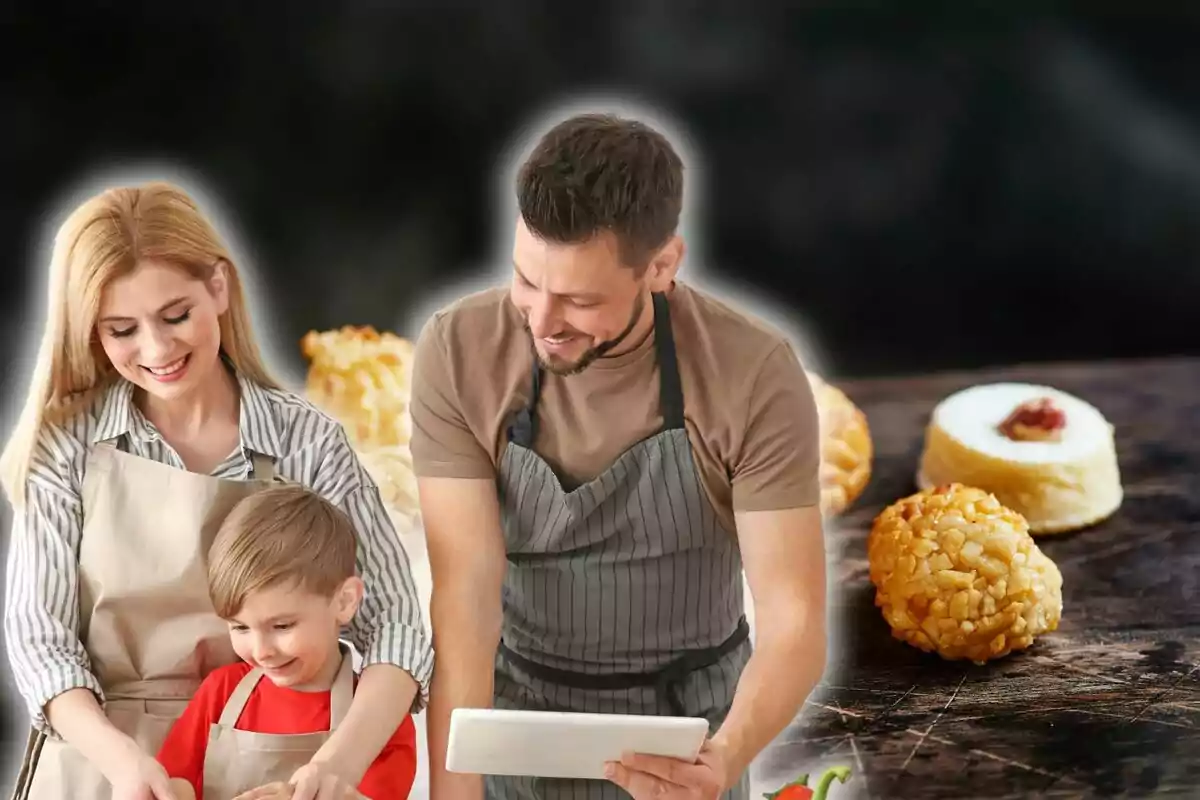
column 623, row 595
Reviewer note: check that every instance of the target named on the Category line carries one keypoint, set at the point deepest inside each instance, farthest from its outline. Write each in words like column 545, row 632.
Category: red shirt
column 271, row 709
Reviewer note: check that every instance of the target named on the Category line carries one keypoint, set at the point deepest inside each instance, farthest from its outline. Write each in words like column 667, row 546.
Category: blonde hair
column 284, row 534
column 104, row 238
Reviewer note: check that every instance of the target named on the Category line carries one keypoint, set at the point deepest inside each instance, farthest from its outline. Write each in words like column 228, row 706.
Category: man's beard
column 592, row 353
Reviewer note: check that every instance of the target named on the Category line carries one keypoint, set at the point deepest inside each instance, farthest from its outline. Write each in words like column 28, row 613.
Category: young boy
column 282, row 572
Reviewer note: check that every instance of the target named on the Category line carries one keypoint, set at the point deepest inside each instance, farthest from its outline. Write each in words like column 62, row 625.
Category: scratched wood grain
column 1109, row 705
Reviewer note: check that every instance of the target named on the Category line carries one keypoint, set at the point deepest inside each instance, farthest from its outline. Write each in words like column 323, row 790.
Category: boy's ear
column 348, row 598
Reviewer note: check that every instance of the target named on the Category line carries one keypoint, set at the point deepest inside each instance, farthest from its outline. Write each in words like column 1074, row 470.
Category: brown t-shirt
column 748, row 407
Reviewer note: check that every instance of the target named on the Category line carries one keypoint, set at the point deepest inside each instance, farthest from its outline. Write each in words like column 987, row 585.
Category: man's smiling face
column 578, row 300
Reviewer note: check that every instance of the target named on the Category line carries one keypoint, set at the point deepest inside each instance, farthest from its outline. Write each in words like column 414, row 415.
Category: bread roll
column 363, row 379
column 846, row 448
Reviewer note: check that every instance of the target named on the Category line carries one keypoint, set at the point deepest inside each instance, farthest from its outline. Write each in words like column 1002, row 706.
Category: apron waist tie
column 666, row 680
column 153, row 689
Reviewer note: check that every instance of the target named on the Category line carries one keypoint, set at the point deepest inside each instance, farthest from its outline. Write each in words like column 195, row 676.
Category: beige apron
column 237, row 761
column 146, row 619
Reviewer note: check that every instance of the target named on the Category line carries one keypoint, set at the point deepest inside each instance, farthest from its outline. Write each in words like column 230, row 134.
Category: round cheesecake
column 1044, row 453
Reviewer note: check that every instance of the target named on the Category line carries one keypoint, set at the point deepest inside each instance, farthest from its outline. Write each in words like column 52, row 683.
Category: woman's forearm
column 77, row 717
column 382, row 700
column 41, row 634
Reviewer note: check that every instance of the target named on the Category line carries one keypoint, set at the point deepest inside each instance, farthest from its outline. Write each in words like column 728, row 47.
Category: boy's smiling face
column 292, row 634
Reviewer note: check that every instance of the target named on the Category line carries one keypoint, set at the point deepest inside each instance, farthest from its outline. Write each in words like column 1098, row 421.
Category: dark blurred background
column 917, row 190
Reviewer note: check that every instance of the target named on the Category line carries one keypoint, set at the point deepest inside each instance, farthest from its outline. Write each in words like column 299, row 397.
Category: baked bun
column 363, row 379
column 392, row 470
column 846, row 448
column 957, row 574
column 1042, row 452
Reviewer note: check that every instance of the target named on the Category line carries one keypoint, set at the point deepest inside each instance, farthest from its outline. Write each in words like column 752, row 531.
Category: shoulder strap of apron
column 523, row 429
column 236, row 703
column 264, row 467
column 670, row 387
column 341, row 694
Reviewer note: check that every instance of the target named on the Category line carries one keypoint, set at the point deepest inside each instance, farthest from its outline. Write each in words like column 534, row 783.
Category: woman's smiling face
column 160, row 327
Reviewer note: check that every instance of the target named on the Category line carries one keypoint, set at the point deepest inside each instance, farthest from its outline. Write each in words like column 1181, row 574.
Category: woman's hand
column 134, row 775
column 140, row 777
column 77, row 716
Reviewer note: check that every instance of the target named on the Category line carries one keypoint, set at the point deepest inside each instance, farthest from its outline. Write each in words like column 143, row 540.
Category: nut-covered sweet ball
column 958, row 574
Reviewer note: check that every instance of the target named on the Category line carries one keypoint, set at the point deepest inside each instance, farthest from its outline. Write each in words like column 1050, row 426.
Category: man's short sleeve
column 443, row 443
column 778, row 465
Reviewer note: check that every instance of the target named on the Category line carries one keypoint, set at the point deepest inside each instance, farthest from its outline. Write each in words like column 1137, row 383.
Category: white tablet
column 552, row 744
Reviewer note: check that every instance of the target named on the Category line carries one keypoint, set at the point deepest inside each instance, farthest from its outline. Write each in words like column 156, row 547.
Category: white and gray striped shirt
column 309, row 447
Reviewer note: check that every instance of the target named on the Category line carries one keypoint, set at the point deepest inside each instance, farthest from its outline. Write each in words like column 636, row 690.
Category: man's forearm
column 778, row 678
column 463, row 677
column 467, row 560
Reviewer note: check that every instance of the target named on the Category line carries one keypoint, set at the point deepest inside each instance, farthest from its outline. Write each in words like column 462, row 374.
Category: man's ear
column 348, row 598
column 665, row 264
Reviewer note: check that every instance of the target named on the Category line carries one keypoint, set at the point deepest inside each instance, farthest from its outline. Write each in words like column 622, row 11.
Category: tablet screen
column 551, row 744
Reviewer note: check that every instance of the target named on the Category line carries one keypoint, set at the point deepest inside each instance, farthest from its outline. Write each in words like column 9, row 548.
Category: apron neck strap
column 236, row 703
column 264, row 467
column 523, row 429
column 341, row 694
column 670, row 388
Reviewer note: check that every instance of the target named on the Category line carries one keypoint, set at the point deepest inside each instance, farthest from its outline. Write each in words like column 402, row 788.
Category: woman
column 150, row 413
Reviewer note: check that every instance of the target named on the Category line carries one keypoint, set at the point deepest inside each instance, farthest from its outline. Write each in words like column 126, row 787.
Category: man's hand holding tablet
column 638, row 753
column 649, row 777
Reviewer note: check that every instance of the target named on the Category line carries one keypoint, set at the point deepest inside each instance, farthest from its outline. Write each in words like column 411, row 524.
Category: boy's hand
column 272, row 791
column 284, row 791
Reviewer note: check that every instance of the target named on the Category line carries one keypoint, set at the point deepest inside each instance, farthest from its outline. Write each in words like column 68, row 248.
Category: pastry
column 392, row 470
column 1042, row 452
column 363, row 378
column 958, row 574
column 846, row 448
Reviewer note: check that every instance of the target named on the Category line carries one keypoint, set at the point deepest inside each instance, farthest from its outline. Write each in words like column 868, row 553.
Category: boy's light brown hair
column 285, row 534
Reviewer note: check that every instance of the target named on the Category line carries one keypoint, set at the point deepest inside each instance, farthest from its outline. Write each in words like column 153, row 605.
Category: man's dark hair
column 598, row 172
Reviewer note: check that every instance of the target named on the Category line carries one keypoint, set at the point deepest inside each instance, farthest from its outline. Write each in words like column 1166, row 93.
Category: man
column 600, row 450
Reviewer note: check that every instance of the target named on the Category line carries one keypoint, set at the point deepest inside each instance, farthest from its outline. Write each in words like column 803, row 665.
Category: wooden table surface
column 1109, row 705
